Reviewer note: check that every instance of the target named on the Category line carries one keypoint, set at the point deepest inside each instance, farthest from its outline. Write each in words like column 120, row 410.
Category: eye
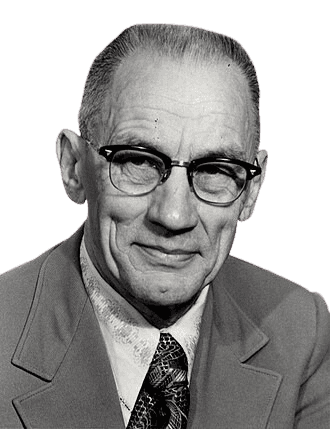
column 138, row 159
column 219, row 181
column 216, row 169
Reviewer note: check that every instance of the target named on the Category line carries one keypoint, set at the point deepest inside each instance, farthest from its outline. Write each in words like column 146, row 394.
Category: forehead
column 178, row 106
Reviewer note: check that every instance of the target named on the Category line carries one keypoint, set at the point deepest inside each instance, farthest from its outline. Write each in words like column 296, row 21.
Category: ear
column 254, row 187
column 69, row 154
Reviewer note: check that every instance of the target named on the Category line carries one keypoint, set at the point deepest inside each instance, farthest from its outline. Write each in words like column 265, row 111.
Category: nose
column 173, row 205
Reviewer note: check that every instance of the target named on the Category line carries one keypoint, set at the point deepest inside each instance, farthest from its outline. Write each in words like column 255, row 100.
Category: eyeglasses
column 136, row 170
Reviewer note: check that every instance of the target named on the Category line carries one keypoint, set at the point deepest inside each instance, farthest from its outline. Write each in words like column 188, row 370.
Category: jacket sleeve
column 313, row 410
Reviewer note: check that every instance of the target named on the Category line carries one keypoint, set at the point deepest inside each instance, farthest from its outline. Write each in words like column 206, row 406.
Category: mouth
column 166, row 256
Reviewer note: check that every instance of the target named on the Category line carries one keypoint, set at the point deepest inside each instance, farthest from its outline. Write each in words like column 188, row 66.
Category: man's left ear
column 254, row 188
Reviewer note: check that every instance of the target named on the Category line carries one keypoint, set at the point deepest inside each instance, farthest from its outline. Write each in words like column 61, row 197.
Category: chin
column 164, row 295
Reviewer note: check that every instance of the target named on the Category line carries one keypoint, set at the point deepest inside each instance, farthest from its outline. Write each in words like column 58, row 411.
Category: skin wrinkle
column 123, row 232
column 131, row 140
column 112, row 101
column 128, row 138
column 114, row 96
column 188, row 114
column 210, row 58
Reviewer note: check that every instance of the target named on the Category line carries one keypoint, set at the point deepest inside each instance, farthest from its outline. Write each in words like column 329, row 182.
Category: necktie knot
column 169, row 366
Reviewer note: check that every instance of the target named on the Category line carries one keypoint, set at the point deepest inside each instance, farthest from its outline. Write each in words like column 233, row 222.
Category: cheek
column 114, row 221
column 220, row 236
column 107, row 204
column 107, row 207
column 120, row 219
column 220, row 222
column 220, row 227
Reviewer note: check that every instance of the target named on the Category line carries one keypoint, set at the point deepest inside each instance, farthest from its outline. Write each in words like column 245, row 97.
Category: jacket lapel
column 225, row 390
column 62, row 345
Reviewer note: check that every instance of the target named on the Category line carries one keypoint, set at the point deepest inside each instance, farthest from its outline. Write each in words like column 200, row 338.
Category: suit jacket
column 262, row 360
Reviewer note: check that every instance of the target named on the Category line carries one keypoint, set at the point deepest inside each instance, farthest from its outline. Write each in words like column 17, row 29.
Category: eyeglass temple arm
column 255, row 171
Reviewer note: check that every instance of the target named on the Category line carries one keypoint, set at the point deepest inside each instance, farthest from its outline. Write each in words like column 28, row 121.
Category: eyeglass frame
column 108, row 153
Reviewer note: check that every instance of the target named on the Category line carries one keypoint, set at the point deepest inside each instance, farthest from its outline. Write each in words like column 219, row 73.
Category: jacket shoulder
column 17, row 286
column 264, row 295
column 28, row 273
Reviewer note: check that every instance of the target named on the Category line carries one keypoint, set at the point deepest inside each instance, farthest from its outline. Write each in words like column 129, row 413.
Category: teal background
column 46, row 50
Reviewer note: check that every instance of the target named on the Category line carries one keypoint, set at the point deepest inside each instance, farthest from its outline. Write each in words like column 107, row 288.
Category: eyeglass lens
column 137, row 173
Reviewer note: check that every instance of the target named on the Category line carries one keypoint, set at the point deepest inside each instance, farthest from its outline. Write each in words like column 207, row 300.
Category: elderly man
column 141, row 319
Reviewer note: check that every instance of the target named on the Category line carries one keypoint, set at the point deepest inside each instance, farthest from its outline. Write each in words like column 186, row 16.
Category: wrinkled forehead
column 148, row 86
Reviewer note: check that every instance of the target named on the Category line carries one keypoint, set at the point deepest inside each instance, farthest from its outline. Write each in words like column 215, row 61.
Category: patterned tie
column 163, row 401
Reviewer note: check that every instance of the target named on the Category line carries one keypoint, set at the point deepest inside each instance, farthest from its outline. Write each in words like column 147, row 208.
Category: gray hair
column 172, row 41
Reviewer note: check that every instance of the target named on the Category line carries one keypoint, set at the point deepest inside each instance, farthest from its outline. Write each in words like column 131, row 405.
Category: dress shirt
column 130, row 339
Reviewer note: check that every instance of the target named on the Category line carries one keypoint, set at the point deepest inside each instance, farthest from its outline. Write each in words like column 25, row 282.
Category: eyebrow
column 224, row 152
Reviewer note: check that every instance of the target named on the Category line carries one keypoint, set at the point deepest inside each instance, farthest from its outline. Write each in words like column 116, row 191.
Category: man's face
column 164, row 247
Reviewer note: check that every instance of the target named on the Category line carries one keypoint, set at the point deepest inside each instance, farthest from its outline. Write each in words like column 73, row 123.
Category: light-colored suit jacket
column 263, row 358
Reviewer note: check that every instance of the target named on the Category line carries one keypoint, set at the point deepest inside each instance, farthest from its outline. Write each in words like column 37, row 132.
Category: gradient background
column 46, row 51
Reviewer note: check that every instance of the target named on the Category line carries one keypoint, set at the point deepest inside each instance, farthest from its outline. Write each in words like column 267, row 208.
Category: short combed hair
column 174, row 41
